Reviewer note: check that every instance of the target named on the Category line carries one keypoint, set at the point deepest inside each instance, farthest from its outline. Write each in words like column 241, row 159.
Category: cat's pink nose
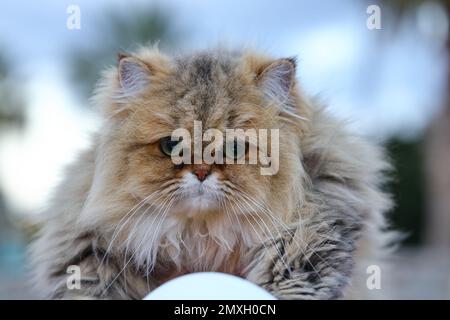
column 202, row 171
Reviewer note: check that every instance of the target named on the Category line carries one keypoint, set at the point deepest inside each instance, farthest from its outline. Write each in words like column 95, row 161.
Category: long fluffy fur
column 301, row 242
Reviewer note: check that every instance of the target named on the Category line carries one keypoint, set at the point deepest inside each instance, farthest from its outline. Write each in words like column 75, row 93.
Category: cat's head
column 148, row 96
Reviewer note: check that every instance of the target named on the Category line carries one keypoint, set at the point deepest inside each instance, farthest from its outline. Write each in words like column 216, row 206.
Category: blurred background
column 392, row 82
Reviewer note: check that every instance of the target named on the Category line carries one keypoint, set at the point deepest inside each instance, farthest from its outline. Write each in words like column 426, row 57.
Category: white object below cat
column 209, row 286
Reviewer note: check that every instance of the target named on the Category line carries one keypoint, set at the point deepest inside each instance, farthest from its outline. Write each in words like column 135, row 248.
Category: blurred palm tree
column 118, row 32
column 11, row 103
column 12, row 109
column 407, row 188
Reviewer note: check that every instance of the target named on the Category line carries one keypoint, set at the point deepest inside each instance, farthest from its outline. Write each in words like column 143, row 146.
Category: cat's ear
column 134, row 75
column 277, row 79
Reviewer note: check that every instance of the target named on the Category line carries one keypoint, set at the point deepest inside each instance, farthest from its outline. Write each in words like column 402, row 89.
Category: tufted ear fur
column 277, row 79
column 134, row 75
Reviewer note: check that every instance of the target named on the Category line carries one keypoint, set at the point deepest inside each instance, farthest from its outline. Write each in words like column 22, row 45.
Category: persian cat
column 130, row 219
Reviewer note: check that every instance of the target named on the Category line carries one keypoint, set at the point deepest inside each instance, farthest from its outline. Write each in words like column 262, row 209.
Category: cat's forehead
column 209, row 89
column 206, row 68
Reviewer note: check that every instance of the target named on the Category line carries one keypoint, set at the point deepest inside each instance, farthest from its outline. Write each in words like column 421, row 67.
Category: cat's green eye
column 166, row 145
column 236, row 149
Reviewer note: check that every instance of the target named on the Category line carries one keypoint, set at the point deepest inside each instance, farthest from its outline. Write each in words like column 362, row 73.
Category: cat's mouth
column 198, row 198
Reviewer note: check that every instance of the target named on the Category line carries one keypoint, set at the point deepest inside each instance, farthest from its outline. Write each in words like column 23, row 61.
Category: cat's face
column 156, row 96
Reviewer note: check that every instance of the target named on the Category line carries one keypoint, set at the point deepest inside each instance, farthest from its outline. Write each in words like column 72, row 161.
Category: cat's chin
column 196, row 206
